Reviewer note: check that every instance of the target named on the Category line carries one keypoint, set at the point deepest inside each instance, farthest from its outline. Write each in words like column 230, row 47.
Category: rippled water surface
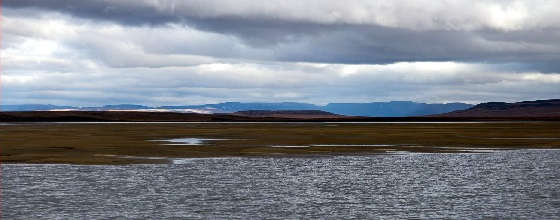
column 515, row 183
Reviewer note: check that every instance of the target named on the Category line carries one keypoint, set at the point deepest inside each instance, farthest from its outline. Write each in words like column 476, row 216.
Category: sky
column 167, row 52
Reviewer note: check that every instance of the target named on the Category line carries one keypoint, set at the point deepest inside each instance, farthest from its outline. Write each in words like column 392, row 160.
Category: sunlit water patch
column 179, row 161
column 474, row 149
column 524, row 138
column 335, row 145
column 189, row 141
column 354, row 145
column 290, row 146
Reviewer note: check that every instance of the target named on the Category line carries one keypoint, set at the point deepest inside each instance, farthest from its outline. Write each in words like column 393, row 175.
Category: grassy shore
column 133, row 143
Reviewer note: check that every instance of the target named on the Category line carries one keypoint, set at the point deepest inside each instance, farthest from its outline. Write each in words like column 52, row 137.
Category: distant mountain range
column 392, row 109
column 528, row 109
column 374, row 109
column 540, row 110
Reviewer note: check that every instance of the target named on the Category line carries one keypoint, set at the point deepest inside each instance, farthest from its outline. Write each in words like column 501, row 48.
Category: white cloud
column 115, row 45
column 273, row 81
column 60, row 59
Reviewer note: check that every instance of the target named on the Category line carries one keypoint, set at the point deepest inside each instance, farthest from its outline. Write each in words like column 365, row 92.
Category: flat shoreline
column 178, row 161
column 133, row 143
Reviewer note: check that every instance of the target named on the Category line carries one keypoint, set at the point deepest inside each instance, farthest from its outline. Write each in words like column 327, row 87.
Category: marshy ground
column 126, row 143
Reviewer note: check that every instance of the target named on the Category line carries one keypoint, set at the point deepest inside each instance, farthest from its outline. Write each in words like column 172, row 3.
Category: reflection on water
column 334, row 145
column 524, row 138
column 290, row 146
column 475, row 149
column 513, row 183
column 354, row 145
column 275, row 122
column 189, row 141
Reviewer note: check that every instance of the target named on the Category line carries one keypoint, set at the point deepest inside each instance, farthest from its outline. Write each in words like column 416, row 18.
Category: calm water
column 519, row 184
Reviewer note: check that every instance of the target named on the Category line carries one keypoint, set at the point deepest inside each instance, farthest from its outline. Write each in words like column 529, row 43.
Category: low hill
column 231, row 107
column 528, row 109
column 393, row 108
column 300, row 114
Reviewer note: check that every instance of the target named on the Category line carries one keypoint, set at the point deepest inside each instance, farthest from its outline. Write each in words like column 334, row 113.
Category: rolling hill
column 528, row 109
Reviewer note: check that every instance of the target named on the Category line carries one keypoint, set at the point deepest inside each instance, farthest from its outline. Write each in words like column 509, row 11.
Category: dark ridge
column 134, row 116
column 492, row 105
column 393, row 108
column 283, row 112
column 538, row 108
column 504, row 105
column 299, row 114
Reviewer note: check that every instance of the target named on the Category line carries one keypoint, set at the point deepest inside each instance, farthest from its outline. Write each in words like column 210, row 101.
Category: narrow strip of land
column 133, row 116
column 126, row 143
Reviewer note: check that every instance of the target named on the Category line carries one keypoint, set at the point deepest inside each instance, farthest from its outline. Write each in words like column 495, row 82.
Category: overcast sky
column 166, row 52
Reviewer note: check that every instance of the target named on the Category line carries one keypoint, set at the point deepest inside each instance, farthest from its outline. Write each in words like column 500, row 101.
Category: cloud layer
column 188, row 52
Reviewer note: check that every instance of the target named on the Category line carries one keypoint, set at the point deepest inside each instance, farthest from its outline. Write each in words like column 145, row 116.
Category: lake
column 520, row 183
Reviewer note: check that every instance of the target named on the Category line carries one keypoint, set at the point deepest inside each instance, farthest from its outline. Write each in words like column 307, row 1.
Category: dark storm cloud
column 124, row 12
column 315, row 38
